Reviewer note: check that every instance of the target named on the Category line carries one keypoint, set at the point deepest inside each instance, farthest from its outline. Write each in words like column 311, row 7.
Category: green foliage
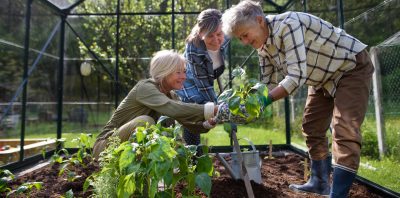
column 69, row 194
column 370, row 144
column 248, row 94
column 26, row 188
column 77, row 159
column 152, row 156
column 5, row 177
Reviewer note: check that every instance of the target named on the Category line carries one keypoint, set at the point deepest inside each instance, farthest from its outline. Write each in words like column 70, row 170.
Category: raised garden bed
column 32, row 147
column 277, row 174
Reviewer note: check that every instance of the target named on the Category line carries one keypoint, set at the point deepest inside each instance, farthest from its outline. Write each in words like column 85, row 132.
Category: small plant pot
column 252, row 162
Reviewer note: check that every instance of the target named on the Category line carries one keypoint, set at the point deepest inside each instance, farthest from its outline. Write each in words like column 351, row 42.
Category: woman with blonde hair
column 151, row 98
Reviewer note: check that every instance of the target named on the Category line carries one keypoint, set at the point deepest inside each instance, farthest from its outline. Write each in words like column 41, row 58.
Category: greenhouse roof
column 64, row 4
column 391, row 41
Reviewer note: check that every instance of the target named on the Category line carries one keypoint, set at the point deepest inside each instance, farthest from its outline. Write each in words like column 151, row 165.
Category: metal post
column 304, row 5
column 173, row 24
column 60, row 81
column 287, row 120
column 377, row 87
column 116, row 82
column 340, row 13
column 25, row 76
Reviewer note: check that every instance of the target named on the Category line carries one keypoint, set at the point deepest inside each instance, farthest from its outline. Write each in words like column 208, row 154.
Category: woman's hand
column 210, row 123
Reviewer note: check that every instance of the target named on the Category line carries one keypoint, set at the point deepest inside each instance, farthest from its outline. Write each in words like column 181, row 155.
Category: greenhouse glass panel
column 198, row 6
column 383, row 17
column 11, row 63
column 137, row 6
column 89, row 69
column 97, row 7
column 41, row 111
column 62, row 4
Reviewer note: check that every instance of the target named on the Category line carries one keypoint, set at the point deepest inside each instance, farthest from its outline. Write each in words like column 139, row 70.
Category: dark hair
column 208, row 22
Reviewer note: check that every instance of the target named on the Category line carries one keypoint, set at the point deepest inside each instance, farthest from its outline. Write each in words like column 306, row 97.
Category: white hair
column 244, row 12
column 164, row 63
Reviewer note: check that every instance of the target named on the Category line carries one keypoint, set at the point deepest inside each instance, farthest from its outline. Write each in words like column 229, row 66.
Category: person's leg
column 191, row 138
column 351, row 100
column 316, row 120
column 124, row 132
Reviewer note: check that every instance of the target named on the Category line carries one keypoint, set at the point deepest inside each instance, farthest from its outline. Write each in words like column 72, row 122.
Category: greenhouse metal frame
column 63, row 13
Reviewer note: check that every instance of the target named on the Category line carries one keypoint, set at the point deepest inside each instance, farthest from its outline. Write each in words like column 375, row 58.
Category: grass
column 384, row 172
column 256, row 134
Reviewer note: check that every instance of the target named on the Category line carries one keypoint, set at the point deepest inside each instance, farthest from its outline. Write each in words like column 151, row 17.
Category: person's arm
column 277, row 93
column 151, row 97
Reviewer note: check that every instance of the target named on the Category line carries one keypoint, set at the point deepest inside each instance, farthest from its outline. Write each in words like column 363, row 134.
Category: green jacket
column 145, row 98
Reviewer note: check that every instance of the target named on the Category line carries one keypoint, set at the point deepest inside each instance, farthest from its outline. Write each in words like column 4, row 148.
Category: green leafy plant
column 5, row 177
column 151, row 164
column 26, row 188
column 77, row 159
column 248, row 94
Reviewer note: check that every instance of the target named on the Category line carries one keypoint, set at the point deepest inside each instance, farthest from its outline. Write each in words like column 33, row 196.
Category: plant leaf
column 252, row 106
column 69, row 194
column 203, row 181
column 126, row 160
column 204, row 164
column 224, row 96
column 238, row 72
column 234, row 104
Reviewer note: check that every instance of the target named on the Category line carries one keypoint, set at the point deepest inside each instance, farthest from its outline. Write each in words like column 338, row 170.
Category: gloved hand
column 210, row 123
column 265, row 101
column 225, row 115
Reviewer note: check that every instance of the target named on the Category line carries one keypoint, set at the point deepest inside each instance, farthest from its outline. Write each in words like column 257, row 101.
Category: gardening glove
column 210, row 123
column 265, row 101
column 225, row 115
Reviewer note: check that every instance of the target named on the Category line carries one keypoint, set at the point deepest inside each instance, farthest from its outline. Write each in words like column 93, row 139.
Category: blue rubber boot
column 319, row 180
column 341, row 182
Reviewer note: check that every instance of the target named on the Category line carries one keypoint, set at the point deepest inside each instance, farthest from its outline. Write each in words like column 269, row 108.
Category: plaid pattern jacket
column 306, row 50
column 199, row 85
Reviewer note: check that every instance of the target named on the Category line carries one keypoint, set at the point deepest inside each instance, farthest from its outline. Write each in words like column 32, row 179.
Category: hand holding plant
column 244, row 103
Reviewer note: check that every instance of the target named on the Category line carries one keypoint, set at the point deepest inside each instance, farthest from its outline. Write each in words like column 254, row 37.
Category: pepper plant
column 151, row 164
column 248, row 94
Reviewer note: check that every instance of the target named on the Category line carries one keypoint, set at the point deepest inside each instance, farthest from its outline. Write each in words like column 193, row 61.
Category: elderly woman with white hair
column 297, row 49
column 151, row 98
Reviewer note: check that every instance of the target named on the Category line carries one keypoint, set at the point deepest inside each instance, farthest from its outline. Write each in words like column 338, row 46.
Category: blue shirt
column 200, row 75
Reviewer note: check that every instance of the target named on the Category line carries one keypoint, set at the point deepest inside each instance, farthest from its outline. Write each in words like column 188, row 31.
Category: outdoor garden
column 66, row 65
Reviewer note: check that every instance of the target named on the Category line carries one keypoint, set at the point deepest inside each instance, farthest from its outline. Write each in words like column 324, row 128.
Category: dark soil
column 277, row 174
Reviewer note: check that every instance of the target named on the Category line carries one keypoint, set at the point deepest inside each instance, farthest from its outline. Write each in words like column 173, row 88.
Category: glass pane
column 198, row 6
column 62, row 4
column 41, row 112
column 96, row 7
column 89, row 75
column 376, row 24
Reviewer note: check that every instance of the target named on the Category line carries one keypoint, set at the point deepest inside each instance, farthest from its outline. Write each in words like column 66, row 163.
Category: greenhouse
column 69, row 70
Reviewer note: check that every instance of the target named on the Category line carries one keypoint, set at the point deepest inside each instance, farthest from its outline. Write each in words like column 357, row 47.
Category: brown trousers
column 345, row 113
column 123, row 132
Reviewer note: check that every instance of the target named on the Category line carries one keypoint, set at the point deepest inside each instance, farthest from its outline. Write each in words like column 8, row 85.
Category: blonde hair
column 207, row 22
column 245, row 12
column 164, row 63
